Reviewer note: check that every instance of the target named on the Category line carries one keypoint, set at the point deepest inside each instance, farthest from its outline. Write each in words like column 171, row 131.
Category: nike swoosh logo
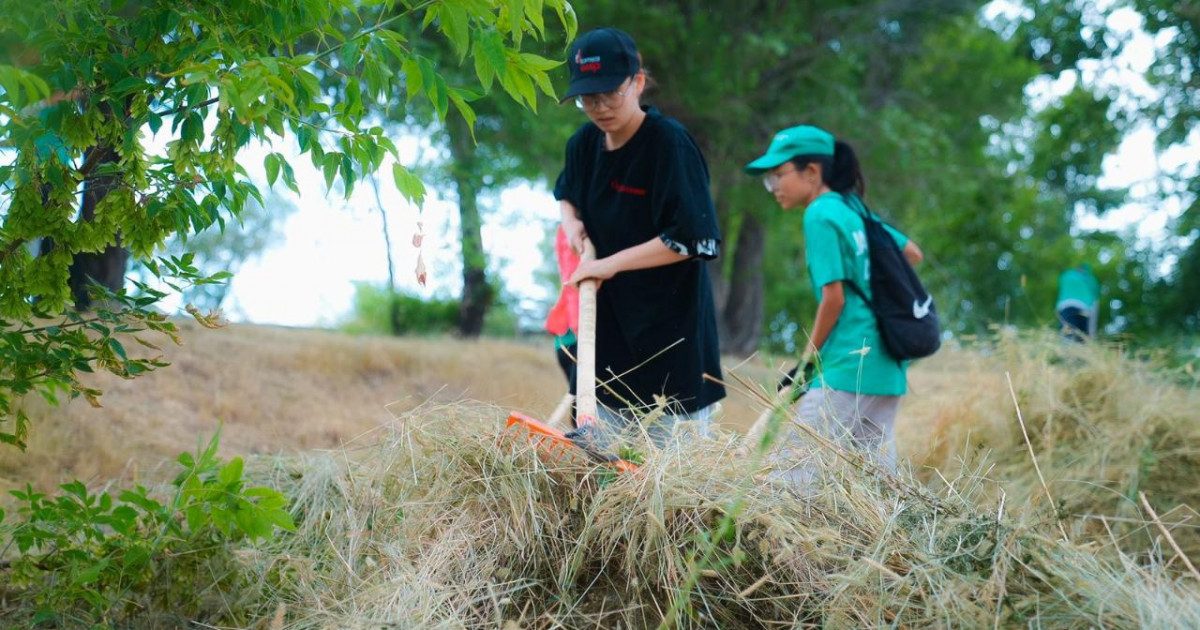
column 921, row 310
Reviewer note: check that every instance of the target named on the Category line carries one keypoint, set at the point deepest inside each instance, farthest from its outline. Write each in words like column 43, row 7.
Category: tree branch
column 12, row 247
column 184, row 108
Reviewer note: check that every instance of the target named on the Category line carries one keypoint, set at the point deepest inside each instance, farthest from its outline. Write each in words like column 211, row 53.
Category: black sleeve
column 569, row 185
column 684, row 212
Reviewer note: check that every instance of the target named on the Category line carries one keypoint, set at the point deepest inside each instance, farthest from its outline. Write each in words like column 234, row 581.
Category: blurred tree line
column 937, row 97
column 934, row 94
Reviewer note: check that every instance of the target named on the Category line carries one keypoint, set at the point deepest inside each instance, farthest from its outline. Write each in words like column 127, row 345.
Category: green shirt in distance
column 853, row 358
column 1079, row 288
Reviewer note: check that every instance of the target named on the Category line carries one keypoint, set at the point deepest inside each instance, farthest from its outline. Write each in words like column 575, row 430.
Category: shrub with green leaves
column 419, row 316
column 103, row 558
column 372, row 306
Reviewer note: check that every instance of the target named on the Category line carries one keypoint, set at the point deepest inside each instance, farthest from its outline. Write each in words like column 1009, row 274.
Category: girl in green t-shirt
column 857, row 385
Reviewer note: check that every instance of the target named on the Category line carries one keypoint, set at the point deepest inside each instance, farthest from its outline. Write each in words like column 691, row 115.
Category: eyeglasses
column 771, row 180
column 610, row 100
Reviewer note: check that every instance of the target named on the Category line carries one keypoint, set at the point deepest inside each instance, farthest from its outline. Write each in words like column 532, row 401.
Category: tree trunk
column 394, row 323
column 477, row 293
column 106, row 268
column 739, row 294
column 742, row 318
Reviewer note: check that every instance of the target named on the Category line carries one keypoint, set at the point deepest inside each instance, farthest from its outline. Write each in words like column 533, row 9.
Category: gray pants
column 660, row 428
column 865, row 422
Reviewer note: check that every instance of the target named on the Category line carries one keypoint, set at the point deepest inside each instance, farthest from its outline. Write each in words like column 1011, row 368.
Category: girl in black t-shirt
column 635, row 185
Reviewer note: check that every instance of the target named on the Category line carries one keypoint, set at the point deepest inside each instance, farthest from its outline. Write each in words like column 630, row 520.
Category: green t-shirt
column 1079, row 288
column 853, row 358
column 565, row 340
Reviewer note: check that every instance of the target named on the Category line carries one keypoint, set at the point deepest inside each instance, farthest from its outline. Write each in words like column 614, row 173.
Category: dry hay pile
column 448, row 522
column 1104, row 429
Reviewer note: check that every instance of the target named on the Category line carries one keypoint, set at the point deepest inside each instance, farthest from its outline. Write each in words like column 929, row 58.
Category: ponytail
column 841, row 172
column 845, row 175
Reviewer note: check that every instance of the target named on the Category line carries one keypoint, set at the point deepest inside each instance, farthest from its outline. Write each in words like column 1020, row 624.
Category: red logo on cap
column 586, row 64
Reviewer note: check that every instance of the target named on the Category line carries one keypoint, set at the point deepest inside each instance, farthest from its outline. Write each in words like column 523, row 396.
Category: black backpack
column 904, row 310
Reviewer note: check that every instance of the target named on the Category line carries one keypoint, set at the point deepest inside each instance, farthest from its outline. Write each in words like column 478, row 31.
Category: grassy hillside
column 276, row 390
column 281, row 390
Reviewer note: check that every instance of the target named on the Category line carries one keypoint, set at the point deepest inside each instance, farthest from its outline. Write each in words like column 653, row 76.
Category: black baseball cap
column 600, row 60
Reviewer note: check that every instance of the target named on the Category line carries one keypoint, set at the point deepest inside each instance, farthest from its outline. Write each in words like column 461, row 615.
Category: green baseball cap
column 790, row 143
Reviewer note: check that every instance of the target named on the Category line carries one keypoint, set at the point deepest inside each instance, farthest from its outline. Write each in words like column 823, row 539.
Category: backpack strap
column 860, row 293
column 849, row 198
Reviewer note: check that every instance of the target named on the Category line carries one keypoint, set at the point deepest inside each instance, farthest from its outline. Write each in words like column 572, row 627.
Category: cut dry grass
column 444, row 522
column 1104, row 428
column 439, row 520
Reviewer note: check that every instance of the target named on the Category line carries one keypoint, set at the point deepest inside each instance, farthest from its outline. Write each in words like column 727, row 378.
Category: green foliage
column 989, row 187
column 418, row 316
column 1175, row 116
column 1058, row 34
column 103, row 558
column 503, row 318
column 933, row 98
column 49, row 355
column 82, row 80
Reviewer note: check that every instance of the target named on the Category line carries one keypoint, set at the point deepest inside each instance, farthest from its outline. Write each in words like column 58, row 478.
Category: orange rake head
column 554, row 443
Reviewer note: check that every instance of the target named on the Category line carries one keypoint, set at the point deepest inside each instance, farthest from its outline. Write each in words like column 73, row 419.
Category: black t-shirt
column 656, row 328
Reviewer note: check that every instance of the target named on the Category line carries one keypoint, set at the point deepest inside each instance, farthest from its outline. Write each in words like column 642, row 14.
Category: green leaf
column 394, row 43
column 520, row 87
column 516, row 19
column 155, row 122
column 408, row 184
column 330, row 169
column 439, row 95
column 566, row 17
column 231, row 473
column 282, row 520
column 248, row 522
column 195, row 517
column 193, row 128
column 413, row 77
column 465, row 110
column 289, row 177
column 490, row 58
column 454, row 21
column 271, row 164
column 538, row 62
column 533, row 12
column 347, row 170
column 543, row 82
column 90, row 574
column 117, row 348
column 128, row 85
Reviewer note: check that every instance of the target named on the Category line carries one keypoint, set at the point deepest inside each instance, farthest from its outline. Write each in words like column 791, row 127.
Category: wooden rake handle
column 585, row 369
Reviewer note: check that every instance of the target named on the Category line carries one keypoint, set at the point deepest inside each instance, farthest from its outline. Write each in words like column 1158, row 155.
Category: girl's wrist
column 609, row 266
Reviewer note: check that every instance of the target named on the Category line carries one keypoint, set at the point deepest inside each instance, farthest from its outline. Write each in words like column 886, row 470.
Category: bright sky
column 330, row 243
